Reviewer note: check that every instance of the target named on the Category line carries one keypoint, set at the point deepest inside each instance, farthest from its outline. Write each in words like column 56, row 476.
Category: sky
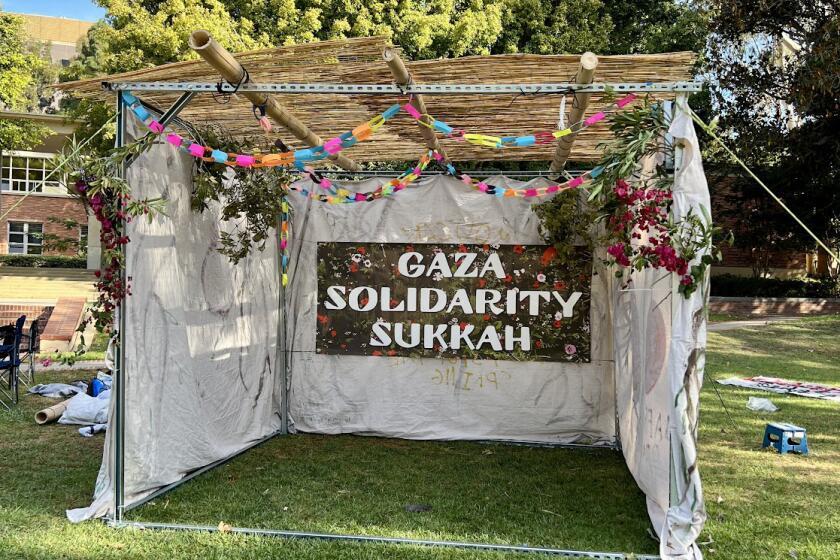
column 76, row 9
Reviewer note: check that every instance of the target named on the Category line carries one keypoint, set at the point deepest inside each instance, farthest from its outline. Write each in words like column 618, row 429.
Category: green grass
column 760, row 505
column 94, row 352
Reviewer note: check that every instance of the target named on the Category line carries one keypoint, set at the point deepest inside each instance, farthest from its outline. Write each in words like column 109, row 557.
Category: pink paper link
column 196, row 149
column 156, row 127
column 175, row 140
column 482, row 186
column 576, row 182
column 325, row 183
column 265, row 124
column 360, row 197
column 245, row 161
column 438, row 156
column 552, row 189
column 594, row 118
column 531, row 192
column 333, row 146
column 411, row 110
column 282, row 243
column 417, row 171
column 466, row 179
column 625, row 100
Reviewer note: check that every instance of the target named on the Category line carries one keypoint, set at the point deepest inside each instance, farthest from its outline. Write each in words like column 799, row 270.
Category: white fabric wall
column 200, row 340
column 660, row 341
column 534, row 401
column 200, row 347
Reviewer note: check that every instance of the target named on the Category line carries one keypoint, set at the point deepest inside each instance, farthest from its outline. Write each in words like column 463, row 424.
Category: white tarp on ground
column 530, row 401
column 200, row 347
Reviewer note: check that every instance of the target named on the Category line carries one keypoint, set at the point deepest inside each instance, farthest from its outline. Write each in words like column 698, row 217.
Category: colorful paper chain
column 363, row 132
column 338, row 195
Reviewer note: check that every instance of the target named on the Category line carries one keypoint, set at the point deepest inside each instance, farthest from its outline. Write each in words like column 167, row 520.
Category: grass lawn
column 760, row 505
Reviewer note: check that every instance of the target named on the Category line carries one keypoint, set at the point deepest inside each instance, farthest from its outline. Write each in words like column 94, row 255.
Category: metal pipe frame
column 558, row 552
column 118, row 519
column 416, row 89
column 119, row 325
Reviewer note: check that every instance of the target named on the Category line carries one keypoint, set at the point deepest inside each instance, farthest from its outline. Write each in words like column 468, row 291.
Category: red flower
column 323, row 319
column 333, row 333
column 558, row 324
column 462, row 248
column 482, row 282
column 538, row 343
column 343, row 346
column 354, row 267
column 559, row 285
column 391, row 352
column 364, row 301
column 463, row 325
column 508, row 278
column 376, row 353
column 548, row 255
column 518, row 249
column 486, row 248
column 361, row 250
column 486, row 317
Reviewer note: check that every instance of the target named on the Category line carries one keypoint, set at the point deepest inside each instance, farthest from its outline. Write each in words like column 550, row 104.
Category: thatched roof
column 360, row 61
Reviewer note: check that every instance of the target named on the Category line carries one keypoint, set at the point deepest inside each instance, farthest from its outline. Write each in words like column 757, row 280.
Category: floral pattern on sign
column 489, row 301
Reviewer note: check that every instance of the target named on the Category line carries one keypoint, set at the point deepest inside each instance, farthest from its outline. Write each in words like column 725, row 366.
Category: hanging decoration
column 363, row 132
column 638, row 227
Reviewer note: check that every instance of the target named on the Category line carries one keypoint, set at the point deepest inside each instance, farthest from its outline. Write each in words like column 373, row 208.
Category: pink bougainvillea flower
column 571, row 349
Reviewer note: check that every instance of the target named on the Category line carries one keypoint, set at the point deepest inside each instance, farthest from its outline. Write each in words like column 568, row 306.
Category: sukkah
column 607, row 361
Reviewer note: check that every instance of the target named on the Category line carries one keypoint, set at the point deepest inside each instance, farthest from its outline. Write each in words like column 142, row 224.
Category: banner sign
column 502, row 302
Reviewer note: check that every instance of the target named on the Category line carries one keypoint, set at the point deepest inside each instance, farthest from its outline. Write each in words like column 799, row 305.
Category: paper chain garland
column 338, row 195
column 363, row 132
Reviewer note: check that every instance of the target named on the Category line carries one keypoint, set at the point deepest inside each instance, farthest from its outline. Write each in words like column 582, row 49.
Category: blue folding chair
column 10, row 364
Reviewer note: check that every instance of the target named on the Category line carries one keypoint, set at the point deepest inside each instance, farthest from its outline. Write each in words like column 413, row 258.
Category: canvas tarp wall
column 660, row 342
column 394, row 396
column 200, row 345
column 200, row 340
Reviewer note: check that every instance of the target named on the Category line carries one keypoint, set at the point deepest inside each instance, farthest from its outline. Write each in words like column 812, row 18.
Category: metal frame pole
column 121, row 374
column 416, row 89
column 370, row 539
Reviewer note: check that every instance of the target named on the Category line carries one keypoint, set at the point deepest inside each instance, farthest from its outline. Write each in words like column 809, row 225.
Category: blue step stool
column 786, row 438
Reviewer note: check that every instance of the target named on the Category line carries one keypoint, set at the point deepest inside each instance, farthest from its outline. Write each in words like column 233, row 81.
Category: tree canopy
column 141, row 33
column 776, row 65
column 23, row 74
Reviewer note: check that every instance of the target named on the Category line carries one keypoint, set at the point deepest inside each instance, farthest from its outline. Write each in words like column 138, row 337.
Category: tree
column 777, row 65
column 23, row 74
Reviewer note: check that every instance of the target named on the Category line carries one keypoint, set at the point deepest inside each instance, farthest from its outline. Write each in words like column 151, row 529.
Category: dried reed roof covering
column 360, row 61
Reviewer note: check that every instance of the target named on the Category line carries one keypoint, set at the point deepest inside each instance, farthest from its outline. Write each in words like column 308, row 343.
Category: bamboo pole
column 585, row 75
column 403, row 78
column 223, row 62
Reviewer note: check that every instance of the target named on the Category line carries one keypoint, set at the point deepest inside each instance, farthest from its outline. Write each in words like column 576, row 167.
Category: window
column 25, row 238
column 25, row 171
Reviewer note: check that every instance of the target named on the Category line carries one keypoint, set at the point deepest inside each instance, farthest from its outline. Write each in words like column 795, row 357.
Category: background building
column 23, row 171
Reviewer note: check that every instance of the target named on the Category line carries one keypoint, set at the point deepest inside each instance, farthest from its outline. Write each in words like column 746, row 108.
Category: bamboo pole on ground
column 403, row 78
column 223, row 62
column 585, row 75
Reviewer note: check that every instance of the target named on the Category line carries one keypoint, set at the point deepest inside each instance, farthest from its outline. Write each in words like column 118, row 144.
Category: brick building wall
column 739, row 260
column 39, row 209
